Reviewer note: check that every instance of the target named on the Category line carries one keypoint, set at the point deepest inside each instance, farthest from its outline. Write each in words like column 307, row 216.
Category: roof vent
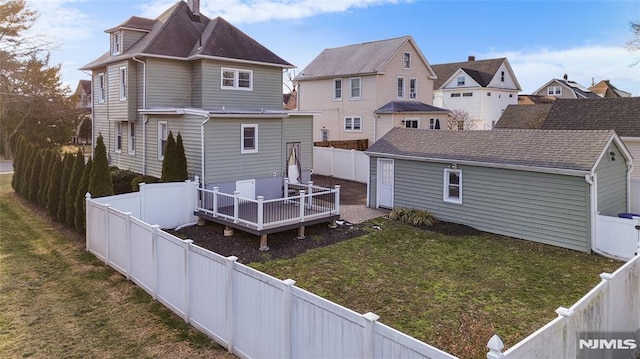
column 194, row 6
column 472, row 58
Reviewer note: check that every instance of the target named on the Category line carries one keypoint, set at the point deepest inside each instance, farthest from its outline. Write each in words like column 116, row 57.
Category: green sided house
column 544, row 186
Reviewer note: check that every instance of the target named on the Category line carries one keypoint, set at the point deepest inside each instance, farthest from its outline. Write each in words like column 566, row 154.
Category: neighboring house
column 82, row 97
column 290, row 100
column 523, row 116
column 534, row 99
column 361, row 91
column 205, row 79
column 605, row 89
column 481, row 88
column 544, row 186
column 565, row 88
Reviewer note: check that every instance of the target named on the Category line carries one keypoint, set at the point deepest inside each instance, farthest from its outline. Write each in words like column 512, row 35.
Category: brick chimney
column 194, row 6
column 472, row 58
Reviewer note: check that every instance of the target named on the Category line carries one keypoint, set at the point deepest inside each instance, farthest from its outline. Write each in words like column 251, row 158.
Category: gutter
column 202, row 151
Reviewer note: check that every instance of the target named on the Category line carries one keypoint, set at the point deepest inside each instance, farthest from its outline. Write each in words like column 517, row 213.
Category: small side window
column 452, row 191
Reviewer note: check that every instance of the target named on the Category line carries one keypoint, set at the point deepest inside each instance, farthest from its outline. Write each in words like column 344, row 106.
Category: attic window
column 554, row 90
column 406, row 60
column 117, row 43
column 502, row 76
column 236, row 79
column 461, row 81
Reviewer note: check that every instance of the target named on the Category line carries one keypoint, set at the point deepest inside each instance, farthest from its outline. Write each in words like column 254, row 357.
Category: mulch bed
column 284, row 244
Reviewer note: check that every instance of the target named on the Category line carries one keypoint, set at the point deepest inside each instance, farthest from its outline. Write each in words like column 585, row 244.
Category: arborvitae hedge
column 181, row 165
column 34, row 180
column 72, row 188
column 25, row 175
column 47, row 164
column 170, row 160
column 67, row 165
column 100, row 184
column 53, row 193
column 17, row 162
column 80, row 197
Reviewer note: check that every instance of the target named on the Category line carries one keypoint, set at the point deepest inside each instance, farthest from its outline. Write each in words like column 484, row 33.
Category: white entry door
column 247, row 188
column 385, row 183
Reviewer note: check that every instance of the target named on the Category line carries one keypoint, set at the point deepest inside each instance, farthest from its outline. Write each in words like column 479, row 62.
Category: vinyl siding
column 266, row 93
column 120, row 110
column 633, row 145
column 612, row 183
column 546, row 208
column 196, row 84
column 131, row 37
column 298, row 129
column 168, row 83
column 225, row 163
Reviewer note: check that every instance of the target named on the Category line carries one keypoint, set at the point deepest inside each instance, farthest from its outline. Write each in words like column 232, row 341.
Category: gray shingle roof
column 409, row 106
column 621, row 114
column 482, row 71
column 358, row 59
column 178, row 33
column 533, row 149
column 523, row 116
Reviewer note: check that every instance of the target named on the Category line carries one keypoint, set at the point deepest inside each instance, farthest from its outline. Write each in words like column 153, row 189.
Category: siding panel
column 612, row 183
column 298, row 129
column 168, row 83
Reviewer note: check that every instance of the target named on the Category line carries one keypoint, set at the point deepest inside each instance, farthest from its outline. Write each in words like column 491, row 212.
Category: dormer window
column 406, row 60
column 461, row 81
column 117, row 43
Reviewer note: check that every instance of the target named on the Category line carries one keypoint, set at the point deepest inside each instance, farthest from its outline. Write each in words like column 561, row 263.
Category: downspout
column 145, row 118
column 202, row 151
column 593, row 202
column 629, row 170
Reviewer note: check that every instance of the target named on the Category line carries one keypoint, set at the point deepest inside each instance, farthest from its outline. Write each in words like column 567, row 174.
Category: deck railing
column 301, row 202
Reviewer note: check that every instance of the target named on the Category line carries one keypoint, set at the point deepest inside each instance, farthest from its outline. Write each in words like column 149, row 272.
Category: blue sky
column 541, row 39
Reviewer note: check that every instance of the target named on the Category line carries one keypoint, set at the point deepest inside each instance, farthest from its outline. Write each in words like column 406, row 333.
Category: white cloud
column 536, row 67
column 59, row 21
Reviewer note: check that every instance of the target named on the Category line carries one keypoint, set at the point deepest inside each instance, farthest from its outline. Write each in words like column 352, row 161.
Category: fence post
column 215, row 201
column 87, row 198
column 236, row 205
column 143, row 194
column 368, row 350
column 154, row 264
column 286, row 310
column 106, row 233
column 565, row 314
column 187, row 278
column 337, row 199
column 495, row 346
column 229, row 287
column 302, row 205
column 260, row 218
column 608, row 321
column 333, row 159
column 128, row 243
column 353, row 164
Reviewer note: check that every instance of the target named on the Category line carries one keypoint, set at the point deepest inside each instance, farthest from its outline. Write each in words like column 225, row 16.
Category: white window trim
column 404, row 64
column 236, row 79
column 336, row 98
column 102, row 90
column 404, row 84
column 446, row 197
column 351, row 97
column 255, row 139
column 160, row 125
column 554, row 89
column 413, row 95
column 117, row 43
column 131, row 140
column 117, row 133
column 122, row 76
column 433, row 123
column 352, row 124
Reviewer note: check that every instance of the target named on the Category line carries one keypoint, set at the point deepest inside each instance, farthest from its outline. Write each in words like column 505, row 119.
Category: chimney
column 472, row 58
column 565, row 77
column 194, row 6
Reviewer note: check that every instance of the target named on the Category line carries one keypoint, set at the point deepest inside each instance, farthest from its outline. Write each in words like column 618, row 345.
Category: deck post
column 228, row 231
column 286, row 187
column 310, row 192
column 215, row 201
column 301, row 233
column 302, row 205
column 263, row 243
column 260, row 218
column 236, row 206
column 337, row 199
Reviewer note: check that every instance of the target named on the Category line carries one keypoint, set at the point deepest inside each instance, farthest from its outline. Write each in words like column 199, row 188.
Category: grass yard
column 57, row 301
column 451, row 292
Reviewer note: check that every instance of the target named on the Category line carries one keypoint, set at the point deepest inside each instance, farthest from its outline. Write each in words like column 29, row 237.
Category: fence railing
column 300, row 203
column 248, row 312
column 345, row 164
column 616, row 237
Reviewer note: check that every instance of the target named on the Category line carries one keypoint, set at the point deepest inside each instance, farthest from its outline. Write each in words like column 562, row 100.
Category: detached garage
column 540, row 185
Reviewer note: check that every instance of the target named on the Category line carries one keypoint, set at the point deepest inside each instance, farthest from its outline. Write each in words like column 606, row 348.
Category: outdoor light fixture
column 613, row 155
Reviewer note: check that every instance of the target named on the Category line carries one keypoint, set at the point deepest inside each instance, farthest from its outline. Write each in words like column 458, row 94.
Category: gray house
column 544, row 186
column 205, row 79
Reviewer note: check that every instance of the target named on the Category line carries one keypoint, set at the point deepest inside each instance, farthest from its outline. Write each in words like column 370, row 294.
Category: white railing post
column 143, row 200
column 260, row 218
column 154, row 260
column 368, row 350
column 607, row 295
column 495, row 346
column 337, row 199
column 310, row 194
column 302, row 205
column 236, row 206
column 87, row 198
column 187, row 278
column 229, row 291
column 333, row 159
column 286, row 187
column 286, row 310
column 215, row 201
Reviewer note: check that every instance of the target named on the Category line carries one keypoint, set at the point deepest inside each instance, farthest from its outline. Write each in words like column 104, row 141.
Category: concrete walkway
column 357, row 213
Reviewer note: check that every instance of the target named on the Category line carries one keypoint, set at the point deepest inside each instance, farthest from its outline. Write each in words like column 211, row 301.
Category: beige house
column 361, row 91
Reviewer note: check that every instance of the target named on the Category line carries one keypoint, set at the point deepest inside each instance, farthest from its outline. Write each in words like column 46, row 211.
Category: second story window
column 132, row 138
column 353, row 124
column 355, row 90
column 460, row 80
column 337, row 89
column 101, row 88
column 411, row 123
column 413, row 89
column 400, row 87
column 554, row 90
column 406, row 60
column 117, row 43
column 235, row 79
column 123, row 83
column 434, row 124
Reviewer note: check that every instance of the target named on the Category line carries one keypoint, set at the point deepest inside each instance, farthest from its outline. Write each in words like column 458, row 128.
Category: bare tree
column 460, row 120
column 634, row 44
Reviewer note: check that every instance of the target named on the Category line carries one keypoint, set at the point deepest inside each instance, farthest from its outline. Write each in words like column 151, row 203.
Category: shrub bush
column 414, row 217
column 121, row 180
column 100, row 184
column 135, row 183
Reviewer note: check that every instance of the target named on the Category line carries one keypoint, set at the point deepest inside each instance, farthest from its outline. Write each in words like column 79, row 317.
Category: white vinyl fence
column 635, row 195
column 616, row 237
column 345, row 164
column 250, row 313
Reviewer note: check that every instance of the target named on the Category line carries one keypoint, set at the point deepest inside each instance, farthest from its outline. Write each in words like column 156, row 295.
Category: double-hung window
column 131, row 143
column 123, row 83
column 337, row 89
column 118, row 137
column 117, row 43
column 452, row 191
column 353, row 124
column 355, row 88
column 236, row 79
column 434, row 124
column 163, row 134
column 101, row 88
column 249, row 138
column 400, row 87
column 413, row 88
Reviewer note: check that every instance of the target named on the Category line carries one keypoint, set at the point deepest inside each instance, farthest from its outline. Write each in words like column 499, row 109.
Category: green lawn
column 451, row 292
column 57, row 301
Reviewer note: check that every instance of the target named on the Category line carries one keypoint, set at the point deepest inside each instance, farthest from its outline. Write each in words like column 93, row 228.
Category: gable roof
column 605, row 89
column 481, row 71
column 568, row 152
column 178, row 33
column 85, row 86
column 359, row 59
column 523, row 116
column 621, row 114
column 578, row 90
column 408, row 106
